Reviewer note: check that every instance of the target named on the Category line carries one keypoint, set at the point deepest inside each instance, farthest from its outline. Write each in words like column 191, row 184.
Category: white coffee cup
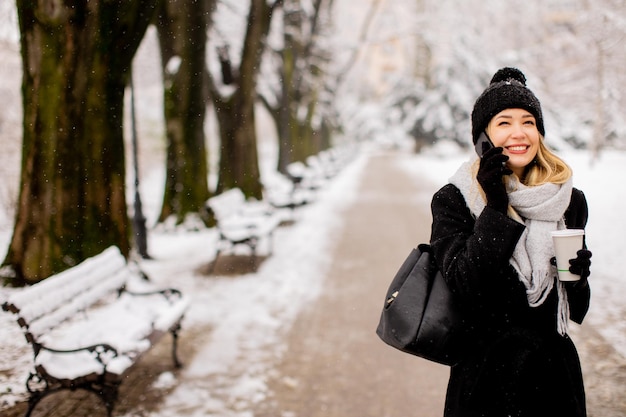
column 566, row 243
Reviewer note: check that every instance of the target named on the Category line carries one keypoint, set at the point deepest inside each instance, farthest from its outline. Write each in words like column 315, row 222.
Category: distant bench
column 319, row 168
column 89, row 324
column 241, row 221
column 283, row 193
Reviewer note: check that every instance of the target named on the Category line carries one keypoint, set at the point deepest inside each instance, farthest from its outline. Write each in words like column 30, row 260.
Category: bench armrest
column 102, row 351
column 170, row 294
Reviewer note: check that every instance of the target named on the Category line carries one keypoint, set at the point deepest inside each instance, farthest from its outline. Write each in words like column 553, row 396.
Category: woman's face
column 516, row 131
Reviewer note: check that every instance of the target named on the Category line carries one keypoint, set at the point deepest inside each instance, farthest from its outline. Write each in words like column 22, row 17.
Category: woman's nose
column 518, row 130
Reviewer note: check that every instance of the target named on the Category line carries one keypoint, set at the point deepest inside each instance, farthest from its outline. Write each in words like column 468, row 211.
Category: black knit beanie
column 507, row 90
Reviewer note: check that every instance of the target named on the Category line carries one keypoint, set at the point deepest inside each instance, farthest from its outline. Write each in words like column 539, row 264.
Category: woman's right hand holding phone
column 490, row 172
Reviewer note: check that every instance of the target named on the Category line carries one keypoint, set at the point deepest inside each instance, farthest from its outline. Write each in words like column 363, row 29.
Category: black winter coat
column 514, row 363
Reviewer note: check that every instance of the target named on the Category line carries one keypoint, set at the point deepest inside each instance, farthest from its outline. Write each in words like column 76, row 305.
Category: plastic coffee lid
column 568, row 232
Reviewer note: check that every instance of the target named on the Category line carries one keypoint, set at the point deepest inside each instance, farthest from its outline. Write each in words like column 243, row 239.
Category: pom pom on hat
column 508, row 74
column 507, row 90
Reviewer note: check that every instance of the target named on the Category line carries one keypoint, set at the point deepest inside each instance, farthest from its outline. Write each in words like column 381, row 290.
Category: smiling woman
column 490, row 236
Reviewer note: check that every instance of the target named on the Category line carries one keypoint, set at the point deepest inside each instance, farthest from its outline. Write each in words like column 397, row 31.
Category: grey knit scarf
column 541, row 209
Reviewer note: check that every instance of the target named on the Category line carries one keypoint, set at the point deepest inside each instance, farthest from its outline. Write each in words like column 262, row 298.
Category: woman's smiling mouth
column 517, row 148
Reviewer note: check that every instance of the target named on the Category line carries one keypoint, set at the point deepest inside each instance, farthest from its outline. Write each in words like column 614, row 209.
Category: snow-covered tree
column 233, row 71
column 293, row 90
column 570, row 51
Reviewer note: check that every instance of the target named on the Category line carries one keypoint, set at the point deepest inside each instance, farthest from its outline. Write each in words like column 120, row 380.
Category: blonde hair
column 547, row 167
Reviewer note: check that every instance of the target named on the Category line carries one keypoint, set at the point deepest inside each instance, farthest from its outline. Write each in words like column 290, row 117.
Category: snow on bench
column 89, row 324
column 304, row 177
column 317, row 170
column 282, row 193
column 241, row 221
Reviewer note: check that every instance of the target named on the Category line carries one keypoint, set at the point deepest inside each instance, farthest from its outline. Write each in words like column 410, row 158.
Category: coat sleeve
column 474, row 254
column 576, row 218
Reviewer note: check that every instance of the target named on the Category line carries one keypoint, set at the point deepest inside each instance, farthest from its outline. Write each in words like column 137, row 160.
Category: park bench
column 284, row 194
column 240, row 221
column 89, row 324
column 318, row 169
column 329, row 162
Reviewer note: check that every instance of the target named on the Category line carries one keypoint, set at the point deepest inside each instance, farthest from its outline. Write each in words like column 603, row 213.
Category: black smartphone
column 483, row 144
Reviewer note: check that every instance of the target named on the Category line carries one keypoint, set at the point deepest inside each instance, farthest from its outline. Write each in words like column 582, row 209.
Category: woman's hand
column 581, row 266
column 490, row 172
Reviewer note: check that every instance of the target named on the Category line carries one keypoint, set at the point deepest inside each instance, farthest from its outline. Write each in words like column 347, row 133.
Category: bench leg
column 212, row 267
column 270, row 239
column 174, row 332
column 34, row 399
column 253, row 245
column 108, row 394
column 38, row 388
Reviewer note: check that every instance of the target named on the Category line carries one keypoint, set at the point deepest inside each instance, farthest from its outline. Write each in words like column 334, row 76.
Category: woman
column 490, row 236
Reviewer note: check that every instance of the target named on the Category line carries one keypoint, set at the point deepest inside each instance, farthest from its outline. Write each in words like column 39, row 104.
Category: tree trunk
column 182, row 33
column 76, row 61
column 239, row 166
column 300, row 78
